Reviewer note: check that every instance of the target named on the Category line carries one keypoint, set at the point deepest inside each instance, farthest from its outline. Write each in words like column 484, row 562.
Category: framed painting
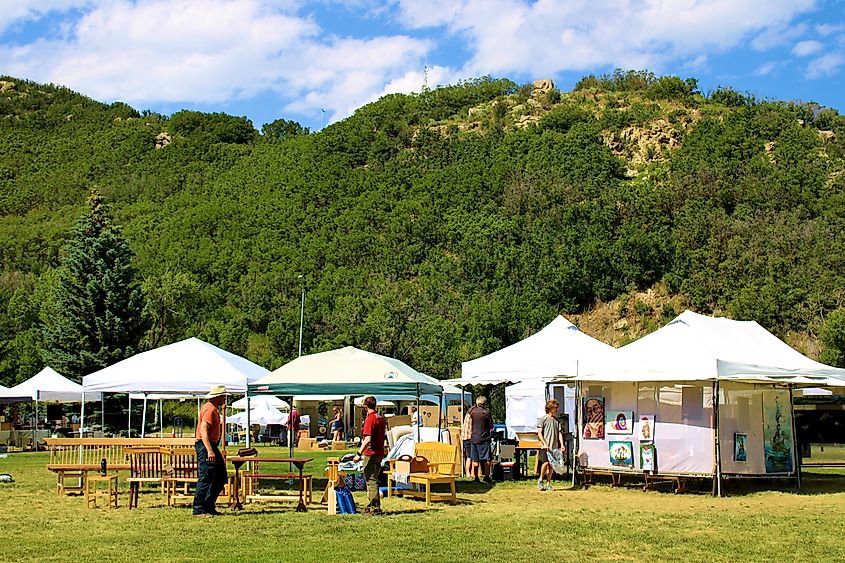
column 648, row 457
column 621, row 454
column 620, row 422
column 592, row 409
column 740, row 440
column 645, row 427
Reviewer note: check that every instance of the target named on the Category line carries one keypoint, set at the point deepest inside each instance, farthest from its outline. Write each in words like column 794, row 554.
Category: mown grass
column 511, row 521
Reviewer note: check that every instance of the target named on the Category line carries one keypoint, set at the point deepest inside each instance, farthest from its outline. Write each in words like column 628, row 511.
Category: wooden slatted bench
column 75, row 457
column 442, row 460
column 251, row 482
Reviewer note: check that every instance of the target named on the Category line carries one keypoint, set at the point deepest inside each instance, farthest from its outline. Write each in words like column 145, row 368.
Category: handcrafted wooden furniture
column 442, row 460
column 180, row 471
column 334, row 476
column 92, row 491
column 252, row 478
column 75, row 457
column 650, row 478
column 146, row 465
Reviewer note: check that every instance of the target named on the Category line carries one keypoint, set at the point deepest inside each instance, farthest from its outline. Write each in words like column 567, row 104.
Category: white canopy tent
column 525, row 403
column 262, row 414
column 189, row 367
column 557, row 349
column 668, row 380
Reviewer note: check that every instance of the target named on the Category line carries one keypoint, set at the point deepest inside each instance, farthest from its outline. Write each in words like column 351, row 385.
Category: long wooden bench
column 649, row 479
column 251, row 481
column 75, row 457
column 442, row 459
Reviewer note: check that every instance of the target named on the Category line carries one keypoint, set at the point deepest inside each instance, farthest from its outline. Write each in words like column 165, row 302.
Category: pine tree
column 94, row 318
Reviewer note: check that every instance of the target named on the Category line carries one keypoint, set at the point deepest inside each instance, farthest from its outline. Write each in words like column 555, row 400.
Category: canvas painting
column 777, row 431
column 740, row 453
column 648, row 457
column 621, row 454
column 645, row 427
column 592, row 409
column 620, row 422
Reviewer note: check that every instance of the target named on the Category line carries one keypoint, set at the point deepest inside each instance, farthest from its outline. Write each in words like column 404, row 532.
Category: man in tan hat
column 211, row 466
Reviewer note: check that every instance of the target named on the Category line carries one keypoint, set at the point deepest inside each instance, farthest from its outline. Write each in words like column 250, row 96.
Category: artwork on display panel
column 645, row 427
column 648, row 457
column 621, row 454
column 620, row 422
column 592, row 410
column 740, row 441
column 777, row 431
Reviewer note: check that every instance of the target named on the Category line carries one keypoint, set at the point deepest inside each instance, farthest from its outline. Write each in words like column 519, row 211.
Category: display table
column 523, row 447
column 92, row 491
column 298, row 462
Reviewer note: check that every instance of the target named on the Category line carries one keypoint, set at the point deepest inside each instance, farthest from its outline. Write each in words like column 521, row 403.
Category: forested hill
column 433, row 227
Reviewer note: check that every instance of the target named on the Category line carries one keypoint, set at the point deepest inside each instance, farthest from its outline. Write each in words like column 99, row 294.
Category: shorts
column 467, row 448
column 480, row 452
column 542, row 457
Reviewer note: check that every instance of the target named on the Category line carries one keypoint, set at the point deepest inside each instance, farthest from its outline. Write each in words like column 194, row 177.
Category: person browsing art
column 551, row 443
column 482, row 432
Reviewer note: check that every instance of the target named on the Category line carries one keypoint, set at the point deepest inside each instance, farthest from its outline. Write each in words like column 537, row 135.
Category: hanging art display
column 648, row 457
column 740, row 453
column 777, row 431
column 592, row 410
column 621, row 454
column 645, row 427
column 620, row 422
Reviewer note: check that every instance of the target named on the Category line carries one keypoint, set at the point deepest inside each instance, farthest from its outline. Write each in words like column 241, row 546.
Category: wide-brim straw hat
column 216, row 391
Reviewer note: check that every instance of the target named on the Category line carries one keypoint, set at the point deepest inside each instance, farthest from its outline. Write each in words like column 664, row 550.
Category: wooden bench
column 649, row 479
column 442, row 459
column 75, row 457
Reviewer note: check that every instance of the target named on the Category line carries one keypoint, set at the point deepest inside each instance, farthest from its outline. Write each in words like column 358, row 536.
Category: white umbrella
column 255, row 401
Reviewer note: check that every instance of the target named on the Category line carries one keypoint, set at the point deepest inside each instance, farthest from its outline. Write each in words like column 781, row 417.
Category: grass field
column 504, row 522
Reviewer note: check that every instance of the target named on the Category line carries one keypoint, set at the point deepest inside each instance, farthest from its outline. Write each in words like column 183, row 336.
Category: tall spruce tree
column 95, row 316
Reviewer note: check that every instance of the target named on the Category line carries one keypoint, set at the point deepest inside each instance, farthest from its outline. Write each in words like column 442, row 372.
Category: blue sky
column 316, row 62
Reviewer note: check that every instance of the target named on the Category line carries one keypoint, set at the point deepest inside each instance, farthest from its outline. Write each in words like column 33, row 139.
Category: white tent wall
column 746, row 409
column 683, row 433
column 525, row 403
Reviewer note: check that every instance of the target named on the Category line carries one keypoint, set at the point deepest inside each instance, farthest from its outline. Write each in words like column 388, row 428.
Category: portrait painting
column 592, row 410
column 645, row 427
column 620, row 422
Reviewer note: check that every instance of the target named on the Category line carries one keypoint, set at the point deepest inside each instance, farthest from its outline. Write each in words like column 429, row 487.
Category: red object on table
column 299, row 462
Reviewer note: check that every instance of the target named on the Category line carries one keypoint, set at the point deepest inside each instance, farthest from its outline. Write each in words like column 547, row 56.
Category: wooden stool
column 92, row 491
column 63, row 488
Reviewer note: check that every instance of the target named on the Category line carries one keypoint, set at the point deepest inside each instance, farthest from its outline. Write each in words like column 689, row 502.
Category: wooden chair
column 146, row 465
column 442, row 460
column 181, row 469
column 334, row 476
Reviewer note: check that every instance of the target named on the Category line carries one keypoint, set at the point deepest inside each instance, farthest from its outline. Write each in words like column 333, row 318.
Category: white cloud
column 825, row 66
column 806, row 48
column 825, row 29
column 549, row 36
column 18, row 11
column 778, row 35
column 766, row 68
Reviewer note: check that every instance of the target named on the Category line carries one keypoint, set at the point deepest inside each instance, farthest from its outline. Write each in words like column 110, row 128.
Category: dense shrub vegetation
column 424, row 227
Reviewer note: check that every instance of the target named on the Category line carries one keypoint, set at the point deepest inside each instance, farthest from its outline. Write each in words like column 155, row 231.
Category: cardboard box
column 410, row 464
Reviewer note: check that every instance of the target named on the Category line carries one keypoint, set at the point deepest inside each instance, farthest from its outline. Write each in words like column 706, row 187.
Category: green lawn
column 512, row 521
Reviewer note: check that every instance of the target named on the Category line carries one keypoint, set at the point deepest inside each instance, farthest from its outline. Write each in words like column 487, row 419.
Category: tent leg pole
column 463, row 463
column 34, row 432
column 144, row 419
column 418, row 415
column 81, row 426
column 717, row 474
column 129, row 419
column 575, row 431
column 439, row 416
column 248, row 408
column 795, row 453
column 103, row 413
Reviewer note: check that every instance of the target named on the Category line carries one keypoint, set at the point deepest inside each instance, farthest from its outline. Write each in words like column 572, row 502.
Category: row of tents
column 715, row 393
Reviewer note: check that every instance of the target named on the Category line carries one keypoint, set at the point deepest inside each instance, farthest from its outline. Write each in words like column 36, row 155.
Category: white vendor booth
column 555, row 350
column 649, row 407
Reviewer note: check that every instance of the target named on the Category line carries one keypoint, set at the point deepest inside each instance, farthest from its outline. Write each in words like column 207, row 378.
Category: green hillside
column 432, row 227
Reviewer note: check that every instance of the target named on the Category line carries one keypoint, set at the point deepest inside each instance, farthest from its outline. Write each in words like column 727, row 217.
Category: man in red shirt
column 211, row 465
column 372, row 451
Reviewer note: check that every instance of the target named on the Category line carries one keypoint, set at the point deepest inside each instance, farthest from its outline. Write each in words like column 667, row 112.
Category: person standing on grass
column 372, row 452
column 294, row 420
column 466, row 442
column 211, row 466
column 337, row 425
column 551, row 439
column 482, row 430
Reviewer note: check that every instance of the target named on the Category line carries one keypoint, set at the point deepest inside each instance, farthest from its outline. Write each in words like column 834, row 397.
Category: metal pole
column 795, row 454
column 103, row 413
column 248, row 408
column 35, row 431
column 301, row 313
column 144, row 418
column 129, row 420
column 463, row 461
column 419, row 415
column 717, row 488
column 81, row 426
column 439, row 415
column 576, row 431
